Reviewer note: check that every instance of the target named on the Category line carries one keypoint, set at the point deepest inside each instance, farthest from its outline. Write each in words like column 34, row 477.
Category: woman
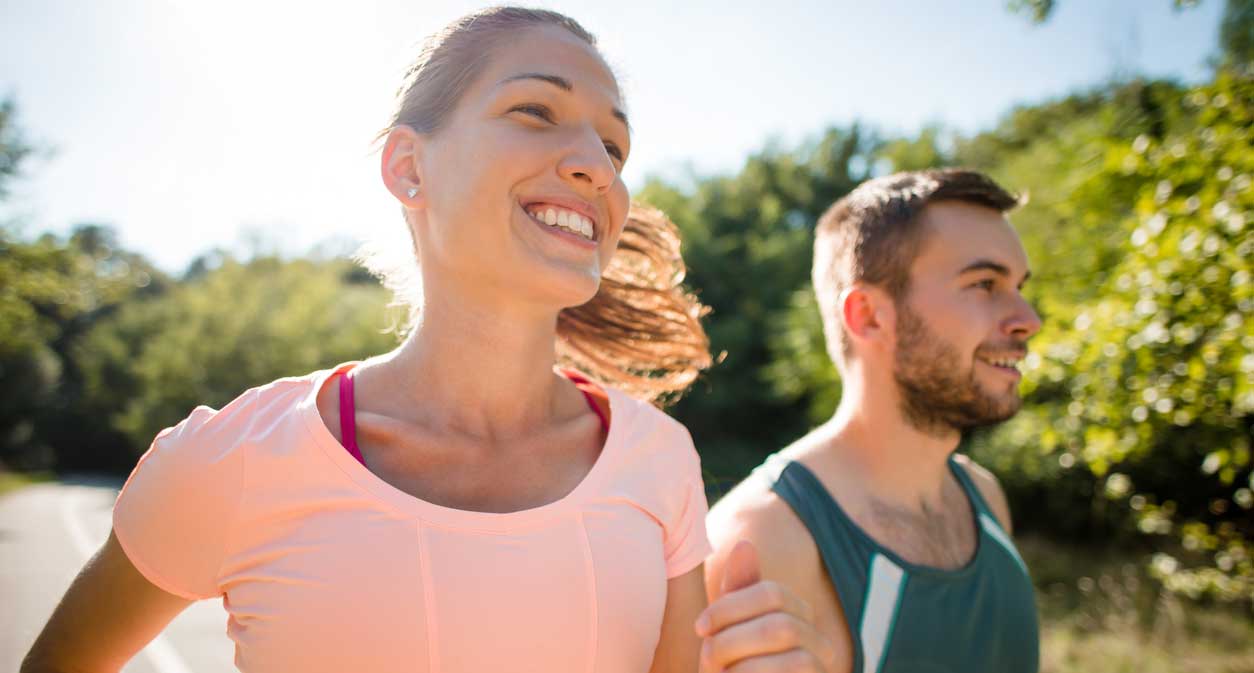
column 458, row 504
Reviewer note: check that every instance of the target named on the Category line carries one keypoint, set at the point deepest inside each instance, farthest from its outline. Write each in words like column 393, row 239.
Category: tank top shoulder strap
column 988, row 522
column 973, row 492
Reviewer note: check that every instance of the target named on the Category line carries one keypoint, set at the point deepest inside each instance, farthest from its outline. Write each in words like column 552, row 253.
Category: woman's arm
column 107, row 615
column 679, row 646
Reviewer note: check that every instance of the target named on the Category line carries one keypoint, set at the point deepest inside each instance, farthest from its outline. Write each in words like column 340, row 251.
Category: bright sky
column 189, row 124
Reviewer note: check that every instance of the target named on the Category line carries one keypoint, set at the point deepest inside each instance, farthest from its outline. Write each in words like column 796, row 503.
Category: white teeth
column 570, row 221
column 1008, row 363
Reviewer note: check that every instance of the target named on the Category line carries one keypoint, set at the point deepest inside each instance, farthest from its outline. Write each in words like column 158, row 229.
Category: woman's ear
column 402, row 166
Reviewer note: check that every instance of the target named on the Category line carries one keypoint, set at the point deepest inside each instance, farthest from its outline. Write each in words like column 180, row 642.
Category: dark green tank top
column 906, row 617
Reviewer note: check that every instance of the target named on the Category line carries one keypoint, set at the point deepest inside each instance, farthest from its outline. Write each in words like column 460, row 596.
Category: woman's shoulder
column 252, row 415
column 191, row 482
column 646, row 422
column 650, row 439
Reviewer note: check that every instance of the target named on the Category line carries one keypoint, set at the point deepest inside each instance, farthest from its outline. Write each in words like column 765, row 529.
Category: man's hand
column 759, row 626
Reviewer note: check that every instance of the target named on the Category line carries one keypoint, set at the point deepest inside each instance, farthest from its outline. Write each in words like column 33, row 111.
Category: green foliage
column 13, row 148
column 1073, row 228
column 1039, row 11
column 747, row 243
column 800, row 368
column 1236, row 33
column 1139, row 388
column 52, row 292
column 1158, row 368
column 235, row 326
column 1138, row 392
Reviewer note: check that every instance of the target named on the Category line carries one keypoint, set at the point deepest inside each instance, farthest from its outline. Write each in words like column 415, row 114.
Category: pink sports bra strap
column 348, row 413
column 348, row 417
column 596, row 409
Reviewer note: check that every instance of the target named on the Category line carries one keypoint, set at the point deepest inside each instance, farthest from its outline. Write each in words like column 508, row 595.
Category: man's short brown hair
column 873, row 236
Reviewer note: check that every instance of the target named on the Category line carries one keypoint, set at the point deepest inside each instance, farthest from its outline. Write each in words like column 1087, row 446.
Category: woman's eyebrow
column 559, row 82
column 565, row 85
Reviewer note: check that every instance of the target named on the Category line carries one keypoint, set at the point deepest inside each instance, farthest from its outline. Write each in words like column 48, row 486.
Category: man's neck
column 880, row 453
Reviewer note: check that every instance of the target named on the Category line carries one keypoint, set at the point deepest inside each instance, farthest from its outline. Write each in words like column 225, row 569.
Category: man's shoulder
column 751, row 507
column 788, row 554
column 753, row 511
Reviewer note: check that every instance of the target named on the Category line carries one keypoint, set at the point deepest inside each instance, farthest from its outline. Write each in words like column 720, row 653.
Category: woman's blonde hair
column 641, row 333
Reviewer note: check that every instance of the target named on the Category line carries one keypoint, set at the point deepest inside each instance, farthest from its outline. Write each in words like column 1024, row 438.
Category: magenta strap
column 348, row 421
column 596, row 409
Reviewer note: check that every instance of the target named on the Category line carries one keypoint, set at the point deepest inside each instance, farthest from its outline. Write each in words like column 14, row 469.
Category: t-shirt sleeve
column 175, row 513
column 687, row 543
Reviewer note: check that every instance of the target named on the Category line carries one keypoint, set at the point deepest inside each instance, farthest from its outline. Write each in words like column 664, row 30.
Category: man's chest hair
column 940, row 536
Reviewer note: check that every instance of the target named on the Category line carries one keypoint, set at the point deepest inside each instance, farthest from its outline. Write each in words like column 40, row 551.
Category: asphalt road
column 47, row 532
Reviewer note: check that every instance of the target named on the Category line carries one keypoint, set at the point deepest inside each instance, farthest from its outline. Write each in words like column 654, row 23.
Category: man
column 901, row 546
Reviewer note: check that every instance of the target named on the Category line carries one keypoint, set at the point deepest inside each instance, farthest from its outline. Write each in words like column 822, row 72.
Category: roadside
column 47, row 531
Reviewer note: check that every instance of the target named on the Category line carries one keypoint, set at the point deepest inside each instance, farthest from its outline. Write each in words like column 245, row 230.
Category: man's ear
column 869, row 315
column 402, row 166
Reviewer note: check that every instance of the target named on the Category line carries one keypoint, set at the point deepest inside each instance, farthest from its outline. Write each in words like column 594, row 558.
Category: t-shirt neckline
column 429, row 512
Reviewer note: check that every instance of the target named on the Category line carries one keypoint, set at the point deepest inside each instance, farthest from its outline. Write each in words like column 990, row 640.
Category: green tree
column 13, row 147
column 1040, row 10
column 232, row 326
column 53, row 292
column 747, row 244
column 1093, row 453
column 1156, row 366
column 1236, row 33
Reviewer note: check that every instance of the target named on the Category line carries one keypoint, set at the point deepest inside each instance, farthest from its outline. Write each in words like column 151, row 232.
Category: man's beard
column 937, row 396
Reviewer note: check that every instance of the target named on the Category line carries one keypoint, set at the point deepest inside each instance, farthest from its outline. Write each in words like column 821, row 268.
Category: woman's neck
column 472, row 369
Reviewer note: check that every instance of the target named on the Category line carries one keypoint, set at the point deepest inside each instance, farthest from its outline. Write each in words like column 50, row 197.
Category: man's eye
column 614, row 151
column 535, row 110
column 987, row 285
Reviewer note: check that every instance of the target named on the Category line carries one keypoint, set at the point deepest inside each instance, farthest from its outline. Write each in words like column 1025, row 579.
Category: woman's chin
column 579, row 296
column 564, row 286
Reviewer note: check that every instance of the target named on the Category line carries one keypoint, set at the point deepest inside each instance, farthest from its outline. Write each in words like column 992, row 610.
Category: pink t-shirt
column 326, row 567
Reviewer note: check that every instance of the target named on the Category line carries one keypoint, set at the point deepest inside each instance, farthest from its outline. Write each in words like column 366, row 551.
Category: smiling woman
column 640, row 329
column 497, row 493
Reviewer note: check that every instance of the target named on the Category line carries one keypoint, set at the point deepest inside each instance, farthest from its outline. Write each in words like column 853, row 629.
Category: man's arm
column 805, row 629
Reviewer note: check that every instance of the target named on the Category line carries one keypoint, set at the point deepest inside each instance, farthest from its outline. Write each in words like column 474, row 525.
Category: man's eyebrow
column 986, row 265
column 565, row 85
column 996, row 267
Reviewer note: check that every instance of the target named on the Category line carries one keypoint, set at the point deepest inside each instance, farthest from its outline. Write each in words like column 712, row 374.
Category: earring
column 412, row 191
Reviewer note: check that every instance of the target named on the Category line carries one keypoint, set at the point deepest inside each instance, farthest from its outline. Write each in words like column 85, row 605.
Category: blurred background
column 181, row 185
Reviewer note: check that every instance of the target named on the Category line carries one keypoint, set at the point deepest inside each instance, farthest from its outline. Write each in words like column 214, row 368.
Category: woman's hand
column 755, row 625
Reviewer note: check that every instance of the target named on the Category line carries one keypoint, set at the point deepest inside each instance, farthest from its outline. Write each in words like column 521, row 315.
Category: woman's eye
column 537, row 111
